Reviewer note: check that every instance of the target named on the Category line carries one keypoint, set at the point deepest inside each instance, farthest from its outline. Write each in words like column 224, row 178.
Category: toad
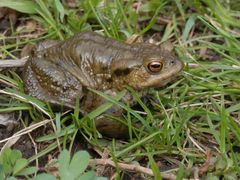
column 62, row 71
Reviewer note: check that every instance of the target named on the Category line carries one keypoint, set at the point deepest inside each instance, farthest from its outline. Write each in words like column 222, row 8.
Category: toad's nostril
column 172, row 62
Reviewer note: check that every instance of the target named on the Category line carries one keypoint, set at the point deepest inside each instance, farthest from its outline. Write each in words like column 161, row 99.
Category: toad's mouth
column 167, row 81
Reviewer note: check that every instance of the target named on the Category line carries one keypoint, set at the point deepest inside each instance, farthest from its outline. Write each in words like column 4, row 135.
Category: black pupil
column 156, row 66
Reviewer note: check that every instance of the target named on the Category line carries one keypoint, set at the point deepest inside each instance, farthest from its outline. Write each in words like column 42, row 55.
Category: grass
column 193, row 127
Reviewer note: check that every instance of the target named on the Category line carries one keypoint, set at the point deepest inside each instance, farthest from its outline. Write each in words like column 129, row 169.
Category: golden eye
column 155, row 66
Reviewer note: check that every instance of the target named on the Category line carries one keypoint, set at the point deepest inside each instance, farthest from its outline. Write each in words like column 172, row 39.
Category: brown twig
column 130, row 167
column 204, row 168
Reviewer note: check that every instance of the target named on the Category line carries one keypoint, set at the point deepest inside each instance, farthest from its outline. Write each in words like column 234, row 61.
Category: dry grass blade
column 26, row 130
column 10, row 63
column 130, row 168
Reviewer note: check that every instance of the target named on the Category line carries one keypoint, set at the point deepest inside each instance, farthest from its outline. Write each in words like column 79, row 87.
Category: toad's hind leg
column 51, row 83
column 110, row 127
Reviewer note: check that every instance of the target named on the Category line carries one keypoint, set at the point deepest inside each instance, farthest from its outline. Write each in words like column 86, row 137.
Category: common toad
column 62, row 71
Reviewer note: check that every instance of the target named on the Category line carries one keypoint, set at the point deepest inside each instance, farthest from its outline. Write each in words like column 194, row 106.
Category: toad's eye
column 155, row 66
